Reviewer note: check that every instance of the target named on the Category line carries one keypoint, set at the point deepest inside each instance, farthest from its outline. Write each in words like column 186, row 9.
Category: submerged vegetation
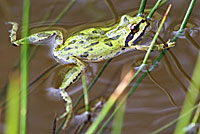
column 112, row 109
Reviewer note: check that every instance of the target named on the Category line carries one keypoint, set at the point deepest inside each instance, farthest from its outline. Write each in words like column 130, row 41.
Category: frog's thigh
column 71, row 76
column 41, row 37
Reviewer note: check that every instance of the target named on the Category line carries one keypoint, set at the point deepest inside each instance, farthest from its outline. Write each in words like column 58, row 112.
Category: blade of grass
column 155, row 38
column 196, row 116
column 118, row 119
column 65, row 10
column 85, row 92
column 13, row 100
column 154, row 9
column 158, row 4
column 142, row 7
column 24, row 69
column 185, row 20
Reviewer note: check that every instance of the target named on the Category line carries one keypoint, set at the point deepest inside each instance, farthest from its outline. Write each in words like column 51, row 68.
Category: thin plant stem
column 118, row 120
column 85, row 92
column 13, row 104
column 24, row 69
column 142, row 7
column 65, row 10
column 196, row 116
column 185, row 20
column 156, row 36
column 154, row 9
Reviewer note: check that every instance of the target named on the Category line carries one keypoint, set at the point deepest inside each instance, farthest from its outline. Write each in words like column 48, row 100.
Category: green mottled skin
column 96, row 44
column 93, row 44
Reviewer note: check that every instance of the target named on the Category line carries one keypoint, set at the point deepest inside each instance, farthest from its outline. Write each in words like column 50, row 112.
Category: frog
column 93, row 44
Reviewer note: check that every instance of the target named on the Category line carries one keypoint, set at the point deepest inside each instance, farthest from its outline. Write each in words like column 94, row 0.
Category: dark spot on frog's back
column 92, row 44
column 67, row 48
column 94, row 31
column 81, row 34
column 107, row 40
column 81, row 42
column 95, row 43
column 72, row 42
column 109, row 44
column 84, row 55
column 90, row 49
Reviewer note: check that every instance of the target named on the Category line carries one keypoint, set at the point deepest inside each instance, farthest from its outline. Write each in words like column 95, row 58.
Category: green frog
column 91, row 45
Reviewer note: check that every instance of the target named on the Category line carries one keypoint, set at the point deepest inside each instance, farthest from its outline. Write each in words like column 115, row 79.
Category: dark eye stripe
column 140, row 36
column 128, row 38
column 142, row 21
column 132, row 33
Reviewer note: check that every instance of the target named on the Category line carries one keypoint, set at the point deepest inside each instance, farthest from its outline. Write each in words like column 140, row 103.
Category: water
column 148, row 108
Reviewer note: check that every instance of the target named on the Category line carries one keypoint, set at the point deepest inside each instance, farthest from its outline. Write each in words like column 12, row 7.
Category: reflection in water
column 170, row 70
column 193, row 42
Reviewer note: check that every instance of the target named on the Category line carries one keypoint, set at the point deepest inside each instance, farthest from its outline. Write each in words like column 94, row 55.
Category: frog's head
column 137, row 30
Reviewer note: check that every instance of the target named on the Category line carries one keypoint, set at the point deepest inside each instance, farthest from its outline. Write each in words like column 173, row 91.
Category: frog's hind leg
column 70, row 77
column 36, row 38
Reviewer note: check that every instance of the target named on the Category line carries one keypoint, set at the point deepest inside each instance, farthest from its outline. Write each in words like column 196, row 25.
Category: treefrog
column 92, row 45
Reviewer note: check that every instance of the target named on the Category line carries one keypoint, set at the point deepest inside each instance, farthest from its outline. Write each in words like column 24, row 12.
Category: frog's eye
column 134, row 28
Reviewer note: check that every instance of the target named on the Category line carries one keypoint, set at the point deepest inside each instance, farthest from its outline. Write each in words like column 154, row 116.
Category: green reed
column 142, row 7
column 24, row 69
column 13, row 103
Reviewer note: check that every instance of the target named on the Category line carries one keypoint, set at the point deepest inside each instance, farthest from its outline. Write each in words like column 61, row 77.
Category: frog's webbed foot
column 36, row 38
column 156, row 47
column 70, row 77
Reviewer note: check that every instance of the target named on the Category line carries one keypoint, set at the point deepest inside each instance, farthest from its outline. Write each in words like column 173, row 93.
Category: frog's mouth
column 129, row 39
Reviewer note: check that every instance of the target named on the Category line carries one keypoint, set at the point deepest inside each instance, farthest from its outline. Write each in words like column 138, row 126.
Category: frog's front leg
column 70, row 77
column 36, row 38
column 156, row 47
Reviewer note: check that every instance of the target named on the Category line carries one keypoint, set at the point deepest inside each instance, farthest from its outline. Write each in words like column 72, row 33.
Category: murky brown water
column 148, row 108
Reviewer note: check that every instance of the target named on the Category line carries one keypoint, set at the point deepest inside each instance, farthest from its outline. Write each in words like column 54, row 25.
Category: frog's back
column 96, row 44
